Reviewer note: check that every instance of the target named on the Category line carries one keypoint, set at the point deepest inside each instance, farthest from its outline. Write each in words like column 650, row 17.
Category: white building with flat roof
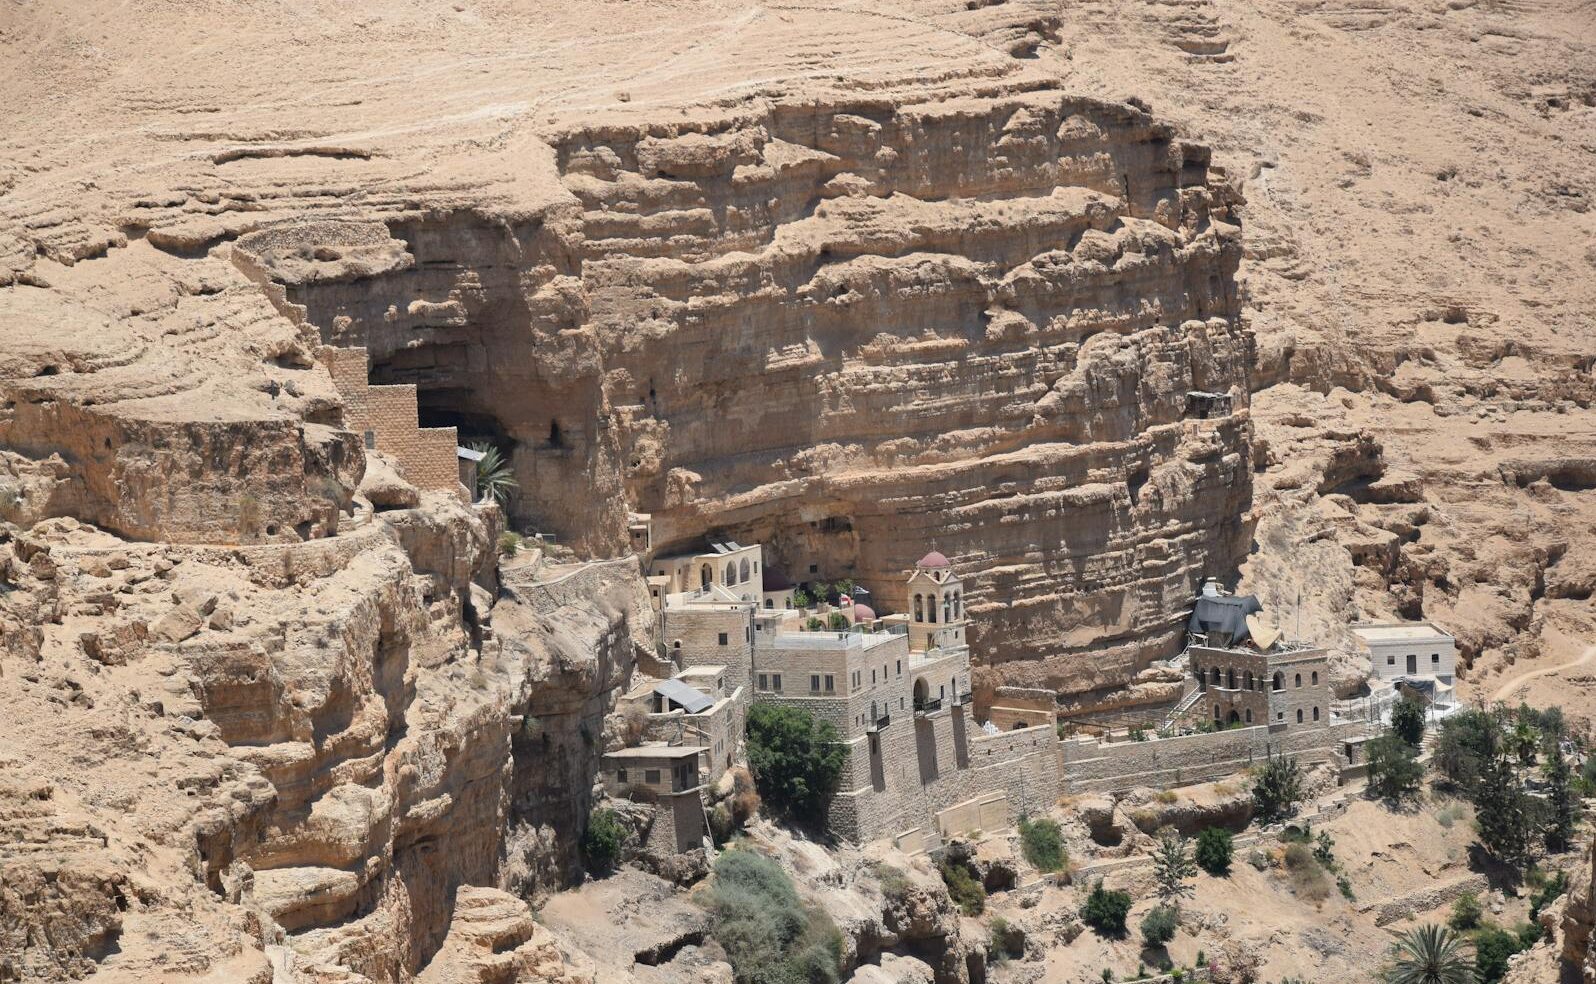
column 1407, row 649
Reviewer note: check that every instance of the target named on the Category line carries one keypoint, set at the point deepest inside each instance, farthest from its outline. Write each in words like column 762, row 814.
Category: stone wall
column 1096, row 766
column 427, row 456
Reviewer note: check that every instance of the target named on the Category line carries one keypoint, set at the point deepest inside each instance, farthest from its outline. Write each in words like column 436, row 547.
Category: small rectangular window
column 620, row 775
column 1435, row 657
column 814, row 682
column 763, row 681
column 900, row 667
column 872, row 676
column 830, row 685
column 723, row 638
column 775, row 682
column 651, row 776
column 1390, row 661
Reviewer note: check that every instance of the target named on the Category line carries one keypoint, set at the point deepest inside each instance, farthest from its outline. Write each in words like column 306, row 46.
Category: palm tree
column 495, row 480
column 1430, row 955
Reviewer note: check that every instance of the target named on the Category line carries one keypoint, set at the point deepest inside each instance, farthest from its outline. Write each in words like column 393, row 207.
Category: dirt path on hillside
column 1519, row 680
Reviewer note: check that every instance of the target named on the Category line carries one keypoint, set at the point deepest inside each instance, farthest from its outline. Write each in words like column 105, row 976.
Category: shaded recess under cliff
column 1005, row 326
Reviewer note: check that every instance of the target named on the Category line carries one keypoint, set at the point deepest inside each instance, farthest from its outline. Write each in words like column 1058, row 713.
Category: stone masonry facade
column 386, row 418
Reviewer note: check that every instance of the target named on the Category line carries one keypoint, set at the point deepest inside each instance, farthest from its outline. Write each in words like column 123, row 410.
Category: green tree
column 1429, row 955
column 1503, row 813
column 815, row 624
column 838, row 622
column 796, row 760
column 1462, row 744
column 1277, row 788
column 1394, row 769
column 1525, row 741
column 1172, row 865
column 1159, row 926
column 495, row 478
column 1042, row 844
column 1105, row 910
column 601, row 841
column 1563, row 807
column 1214, row 850
column 1407, row 721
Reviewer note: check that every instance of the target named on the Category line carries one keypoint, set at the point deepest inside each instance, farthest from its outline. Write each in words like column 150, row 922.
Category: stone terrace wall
column 1093, row 766
column 426, row 455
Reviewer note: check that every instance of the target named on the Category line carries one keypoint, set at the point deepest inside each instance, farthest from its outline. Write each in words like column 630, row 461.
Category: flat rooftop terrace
column 1398, row 632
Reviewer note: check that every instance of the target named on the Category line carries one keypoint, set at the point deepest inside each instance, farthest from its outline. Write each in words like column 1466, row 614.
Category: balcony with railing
column 927, row 705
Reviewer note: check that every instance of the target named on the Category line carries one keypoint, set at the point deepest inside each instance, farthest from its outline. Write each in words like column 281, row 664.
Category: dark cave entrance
column 473, row 429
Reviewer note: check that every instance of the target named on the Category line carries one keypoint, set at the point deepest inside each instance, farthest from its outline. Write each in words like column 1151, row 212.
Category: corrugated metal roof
column 692, row 701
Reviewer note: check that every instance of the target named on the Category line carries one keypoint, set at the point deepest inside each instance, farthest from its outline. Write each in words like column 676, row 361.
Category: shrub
column 815, row 624
column 1277, row 789
column 601, row 841
column 1308, row 878
column 769, row 935
column 1005, row 941
column 1105, row 910
column 796, row 760
column 1449, row 814
column 1166, row 796
column 1492, row 948
column 1214, row 851
column 894, row 883
column 1407, row 722
column 963, row 887
column 1547, row 894
column 509, row 543
column 1466, row 912
column 1159, row 926
column 838, row 622
column 1042, row 844
column 495, row 477
column 1394, row 771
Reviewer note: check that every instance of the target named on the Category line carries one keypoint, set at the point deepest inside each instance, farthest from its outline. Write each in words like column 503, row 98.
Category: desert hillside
column 1080, row 304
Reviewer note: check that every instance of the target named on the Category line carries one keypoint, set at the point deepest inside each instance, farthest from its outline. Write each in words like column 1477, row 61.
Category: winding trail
column 1507, row 688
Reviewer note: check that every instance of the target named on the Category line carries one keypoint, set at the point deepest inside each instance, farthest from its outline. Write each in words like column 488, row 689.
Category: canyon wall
column 1004, row 327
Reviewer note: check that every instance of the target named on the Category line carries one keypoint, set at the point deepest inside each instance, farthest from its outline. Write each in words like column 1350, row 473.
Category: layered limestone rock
column 1005, row 326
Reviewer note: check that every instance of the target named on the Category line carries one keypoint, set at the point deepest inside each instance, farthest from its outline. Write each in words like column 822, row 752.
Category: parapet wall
column 1095, row 766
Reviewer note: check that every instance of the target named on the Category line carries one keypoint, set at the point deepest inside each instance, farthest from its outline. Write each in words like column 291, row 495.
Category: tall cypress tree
column 1564, row 805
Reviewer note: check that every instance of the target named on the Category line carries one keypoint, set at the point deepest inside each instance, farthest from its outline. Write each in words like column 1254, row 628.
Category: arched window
column 731, row 573
column 1299, row 679
column 677, row 644
column 1213, row 676
column 919, row 608
column 1299, row 715
column 1249, row 715
column 1316, row 714
column 1315, row 678
column 931, row 608
column 1249, row 680
column 770, row 603
column 742, row 570
column 958, row 607
column 1230, row 678
column 705, row 575
column 1280, row 681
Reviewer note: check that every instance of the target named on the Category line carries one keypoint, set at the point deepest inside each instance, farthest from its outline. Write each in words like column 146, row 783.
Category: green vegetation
column 770, row 936
column 1563, row 805
column 1407, row 722
column 1159, row 926
column 838, row 622
column 509, row 543
column 1394, row 770
column 1277, row 789
column 1466, row 912
column 1309, row 879
column 1547, row 893
column 1172, row 865
column 796, row 760
column 968, row 893
column 1042, row 844
column 1493, row 947
column 601, row 841
column 1105, row 910
column 1429, row 955
column 815, row 624
column 1214, row 851
column 1005, row 941
column 495, row 479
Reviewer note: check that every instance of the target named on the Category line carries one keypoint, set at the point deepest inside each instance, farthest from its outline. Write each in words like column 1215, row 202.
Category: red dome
column 864, row 613
column 933, row 559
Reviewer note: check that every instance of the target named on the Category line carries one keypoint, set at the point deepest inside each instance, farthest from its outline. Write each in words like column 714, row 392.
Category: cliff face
column 852, row 330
